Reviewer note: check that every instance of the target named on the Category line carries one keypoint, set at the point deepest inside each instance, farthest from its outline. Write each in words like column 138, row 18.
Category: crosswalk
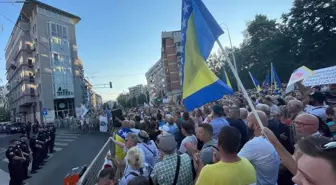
column 62, row 140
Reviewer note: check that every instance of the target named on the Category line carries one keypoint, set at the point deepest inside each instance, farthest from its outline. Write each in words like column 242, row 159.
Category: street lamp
column 224, row 26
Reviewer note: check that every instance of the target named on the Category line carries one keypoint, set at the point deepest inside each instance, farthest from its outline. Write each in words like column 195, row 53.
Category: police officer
column 52, row 131
column 36, row 147
column 15, row 167
column 41, row 138
column 35, row 128
column 26, row 153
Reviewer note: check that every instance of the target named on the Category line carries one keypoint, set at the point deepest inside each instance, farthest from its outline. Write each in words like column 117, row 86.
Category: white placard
column 322, row 76
column 103, row 124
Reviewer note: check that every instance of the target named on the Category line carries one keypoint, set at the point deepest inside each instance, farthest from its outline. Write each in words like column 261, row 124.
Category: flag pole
column 240, row 84
column 272, row 78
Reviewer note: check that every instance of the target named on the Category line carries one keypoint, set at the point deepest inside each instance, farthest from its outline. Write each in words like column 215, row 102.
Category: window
column 65, row 34
column 53, row 30
column 56, row 57
column 59, row 31
column 34, row 28
column 30, row 62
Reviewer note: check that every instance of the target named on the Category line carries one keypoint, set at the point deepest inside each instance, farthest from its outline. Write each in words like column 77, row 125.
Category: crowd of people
column 34, row 145
column 223, row 142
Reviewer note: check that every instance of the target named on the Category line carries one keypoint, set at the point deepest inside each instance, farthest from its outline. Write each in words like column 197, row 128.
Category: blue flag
column 267, row 80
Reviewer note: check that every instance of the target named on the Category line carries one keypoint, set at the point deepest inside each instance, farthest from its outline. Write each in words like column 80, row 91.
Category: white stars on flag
column 124, row 134
column 185, row 7
column 184, row 23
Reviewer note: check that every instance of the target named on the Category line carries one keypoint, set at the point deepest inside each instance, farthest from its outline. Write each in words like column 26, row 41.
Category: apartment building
column 156, row 81
column 171, row 60
column 135, row 91
column 97, row 102
column 87, row 94
column 44, row 73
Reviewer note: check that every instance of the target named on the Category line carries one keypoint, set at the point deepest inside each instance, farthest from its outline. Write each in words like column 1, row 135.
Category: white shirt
column 151, row 152
column 136, row 131
column 263, row 156
column 189, row 139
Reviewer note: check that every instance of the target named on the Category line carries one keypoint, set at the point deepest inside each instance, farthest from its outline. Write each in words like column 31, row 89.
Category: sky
column 119, row 40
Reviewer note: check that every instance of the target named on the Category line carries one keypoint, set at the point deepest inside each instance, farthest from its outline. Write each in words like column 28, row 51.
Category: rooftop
column 29, row 5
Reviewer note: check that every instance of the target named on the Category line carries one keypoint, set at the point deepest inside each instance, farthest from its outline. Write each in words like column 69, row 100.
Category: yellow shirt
column 238, row 173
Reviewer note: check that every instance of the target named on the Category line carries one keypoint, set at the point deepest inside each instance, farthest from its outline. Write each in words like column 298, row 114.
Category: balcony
column 26, row 100
column 31, row 78
column 31, row 47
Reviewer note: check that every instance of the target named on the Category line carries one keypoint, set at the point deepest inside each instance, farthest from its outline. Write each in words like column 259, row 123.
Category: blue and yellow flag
column 255, row 82
column 225, row 77
column 275, row 78
column 199, row 33
column 267, row 80
column 120, row 137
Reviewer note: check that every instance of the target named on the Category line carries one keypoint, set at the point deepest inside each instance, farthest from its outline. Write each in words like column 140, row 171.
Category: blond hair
column 134, row 157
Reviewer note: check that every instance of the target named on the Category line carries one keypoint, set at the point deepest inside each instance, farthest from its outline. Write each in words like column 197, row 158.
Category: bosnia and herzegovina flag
column 199, row 32
column 275, row 78
column 120, row 137
column 267, row 80
column 225, row 77
column 255, row 82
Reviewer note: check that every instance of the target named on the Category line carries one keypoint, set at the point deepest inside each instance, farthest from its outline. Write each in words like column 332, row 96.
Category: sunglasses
column 329, row 146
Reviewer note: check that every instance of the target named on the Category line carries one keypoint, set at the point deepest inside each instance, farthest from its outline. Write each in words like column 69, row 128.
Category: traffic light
column 111, row 85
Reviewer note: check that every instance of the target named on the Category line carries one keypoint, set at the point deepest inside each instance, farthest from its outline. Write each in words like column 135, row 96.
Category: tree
column 122, row 100
column 141, row 99
column 312, row 25
column 114, row 105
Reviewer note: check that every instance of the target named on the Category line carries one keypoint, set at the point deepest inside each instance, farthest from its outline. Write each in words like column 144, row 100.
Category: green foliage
column 306, row 35
column 4, row 114
column 141, row 99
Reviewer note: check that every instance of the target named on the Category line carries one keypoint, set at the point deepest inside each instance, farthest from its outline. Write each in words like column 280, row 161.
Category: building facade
column 156, row 81
column 97, row 102
column 87, row 94
column 135, row 91
column 171, row 61
column 44, row 73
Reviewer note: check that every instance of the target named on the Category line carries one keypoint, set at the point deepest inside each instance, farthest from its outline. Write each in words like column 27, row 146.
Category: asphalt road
column 72, row 150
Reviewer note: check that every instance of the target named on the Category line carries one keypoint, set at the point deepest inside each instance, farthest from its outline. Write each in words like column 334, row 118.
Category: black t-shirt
column 241, row 126
column 330, row 98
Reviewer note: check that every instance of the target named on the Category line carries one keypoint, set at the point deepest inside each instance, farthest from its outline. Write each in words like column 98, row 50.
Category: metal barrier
column 90, row 175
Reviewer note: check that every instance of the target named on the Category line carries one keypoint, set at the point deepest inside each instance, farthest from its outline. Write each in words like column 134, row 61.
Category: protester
column 260, row 152
column 218, row 121
column 188, row 132
column 106, row 177
column 136, row 168
column 230, row 169
column 149, row 147
column 173, row 168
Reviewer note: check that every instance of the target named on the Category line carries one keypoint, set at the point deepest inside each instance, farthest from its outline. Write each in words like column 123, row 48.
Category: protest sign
column 322, row 76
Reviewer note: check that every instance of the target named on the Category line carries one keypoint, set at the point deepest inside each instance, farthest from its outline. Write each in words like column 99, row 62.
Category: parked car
column 3, row 127
column 13, row 128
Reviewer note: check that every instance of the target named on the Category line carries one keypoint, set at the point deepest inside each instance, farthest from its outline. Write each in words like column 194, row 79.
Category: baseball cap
column 167, row 142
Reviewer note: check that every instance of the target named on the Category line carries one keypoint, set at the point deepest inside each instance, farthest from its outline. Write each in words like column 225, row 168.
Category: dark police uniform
column 25, row 148
column 15, row 167
column 35, row 128
column 36, row 147
column 52, row 131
